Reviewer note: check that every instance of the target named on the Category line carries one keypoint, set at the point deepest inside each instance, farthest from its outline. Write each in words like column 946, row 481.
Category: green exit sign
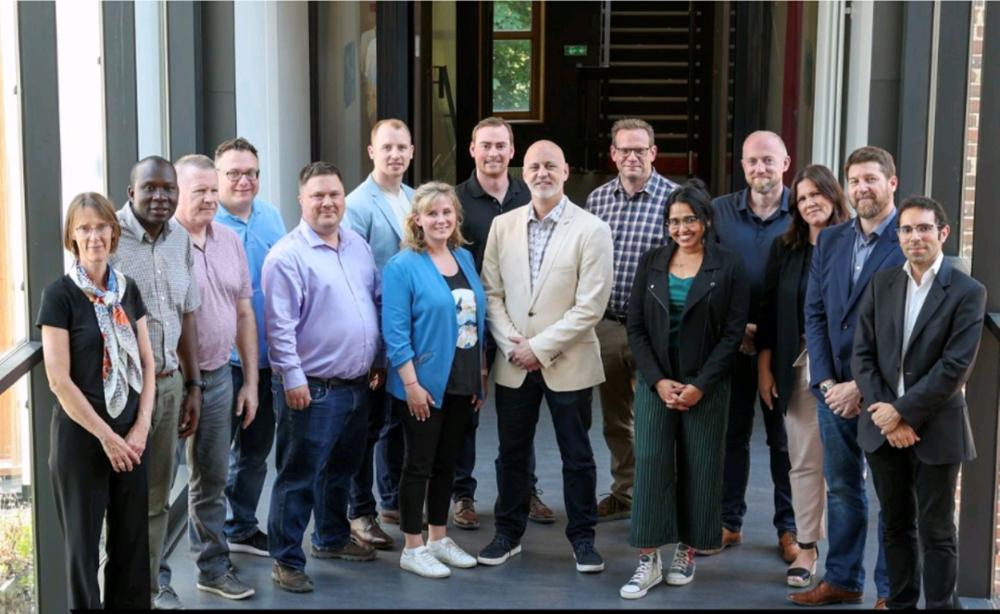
column 575, row 50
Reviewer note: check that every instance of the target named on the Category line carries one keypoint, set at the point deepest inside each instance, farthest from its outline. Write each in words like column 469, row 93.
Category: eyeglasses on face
column 640, row 152
column 687, row 220
column 99, row 230
column 924, row 229
column 235, row 175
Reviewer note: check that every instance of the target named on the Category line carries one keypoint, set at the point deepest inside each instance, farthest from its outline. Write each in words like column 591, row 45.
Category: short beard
column 544, row 194
column 766, row 187
column 868, row 213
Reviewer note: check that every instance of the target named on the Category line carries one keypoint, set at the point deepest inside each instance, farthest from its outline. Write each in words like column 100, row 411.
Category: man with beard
column 156, row 252
column 911, row 361
column 544, row 329
column 748, row 222
column 490, row 191
column 844, row 260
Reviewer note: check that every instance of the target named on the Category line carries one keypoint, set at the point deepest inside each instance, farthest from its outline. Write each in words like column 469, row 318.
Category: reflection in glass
column 512, row 75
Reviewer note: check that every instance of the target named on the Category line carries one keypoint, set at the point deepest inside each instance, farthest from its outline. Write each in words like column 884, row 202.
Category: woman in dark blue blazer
column 434, row 325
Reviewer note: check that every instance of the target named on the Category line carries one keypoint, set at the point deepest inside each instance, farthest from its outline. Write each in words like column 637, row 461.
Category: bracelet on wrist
column 407, row 384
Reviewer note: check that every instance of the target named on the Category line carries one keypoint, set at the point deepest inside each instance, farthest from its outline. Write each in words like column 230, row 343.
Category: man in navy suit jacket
column 845, row 259
column 912, row 358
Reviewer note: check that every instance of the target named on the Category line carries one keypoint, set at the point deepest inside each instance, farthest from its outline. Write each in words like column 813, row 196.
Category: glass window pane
column 511, row 16
column 512, row 75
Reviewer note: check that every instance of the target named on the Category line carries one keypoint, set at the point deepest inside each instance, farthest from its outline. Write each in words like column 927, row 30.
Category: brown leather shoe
column 788, row 548
column 881, row 604
column 463, row 514
column 611, row 508
column 389, row 516
column 729, row 538
column 367, row 529
column 825, row 594
column 539, row 512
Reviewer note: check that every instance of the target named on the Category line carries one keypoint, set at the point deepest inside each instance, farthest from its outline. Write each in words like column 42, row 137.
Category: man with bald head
column 546, row 348
column 156, row 252
column 747, row 222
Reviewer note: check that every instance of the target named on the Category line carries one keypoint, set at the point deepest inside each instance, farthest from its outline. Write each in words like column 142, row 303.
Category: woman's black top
column 712, row 325
column 464, row 377
column 781, row 319
column 64, row 305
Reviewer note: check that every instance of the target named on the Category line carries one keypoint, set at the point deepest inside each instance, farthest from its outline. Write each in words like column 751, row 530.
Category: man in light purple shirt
column 321, row 302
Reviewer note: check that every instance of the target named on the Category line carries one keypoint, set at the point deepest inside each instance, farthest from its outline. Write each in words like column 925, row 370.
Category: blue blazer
column 370, row 215
column 832, row 305
column 419, row 322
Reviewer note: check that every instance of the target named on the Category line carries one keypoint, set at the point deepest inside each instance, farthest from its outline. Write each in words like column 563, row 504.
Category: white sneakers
column 448, row 552
column 648, row 574
column 430, row 561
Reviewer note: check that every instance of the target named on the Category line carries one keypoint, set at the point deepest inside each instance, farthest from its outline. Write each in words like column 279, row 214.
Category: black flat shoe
column 800, row 577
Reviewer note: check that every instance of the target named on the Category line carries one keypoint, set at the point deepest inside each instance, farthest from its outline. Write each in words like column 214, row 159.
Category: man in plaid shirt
column 632, row 204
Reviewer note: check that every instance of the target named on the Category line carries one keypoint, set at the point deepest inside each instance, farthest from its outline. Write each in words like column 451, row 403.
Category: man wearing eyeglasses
column 259, row 226
column 748, row 222
column 911, row 362
column 632, row 204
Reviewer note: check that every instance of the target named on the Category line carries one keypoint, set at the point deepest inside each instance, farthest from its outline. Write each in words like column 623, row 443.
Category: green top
column 679, row 288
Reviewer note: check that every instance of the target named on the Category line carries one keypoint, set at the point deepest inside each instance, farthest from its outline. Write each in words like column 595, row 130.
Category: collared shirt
column 637, row 225
column 258, row 233
column 864, row 245
column 399, row 204
column 164, row 271
column 742, row 231
column 539, row 233
column 223, row 279
column 479, row 208
column 322, row 306
column 916, row 294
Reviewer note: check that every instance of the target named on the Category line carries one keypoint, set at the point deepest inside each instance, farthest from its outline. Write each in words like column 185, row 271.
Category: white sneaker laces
column 680, row 558
column 643, row 571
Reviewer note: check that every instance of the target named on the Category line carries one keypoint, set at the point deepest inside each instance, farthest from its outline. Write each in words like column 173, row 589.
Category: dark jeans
column 517, row 417
column 362, row 501
column 465, row 484
column 85, row 488
column 318, row 449
column 429, row 462
column 736, row 475
column 388, row 457
column 847, row 505
column 917, row 499
column 248, row 459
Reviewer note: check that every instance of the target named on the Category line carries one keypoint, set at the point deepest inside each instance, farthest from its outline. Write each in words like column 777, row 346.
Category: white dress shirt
column 916, row 294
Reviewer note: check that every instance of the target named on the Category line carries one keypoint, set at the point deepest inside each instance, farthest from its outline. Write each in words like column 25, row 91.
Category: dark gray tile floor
column 748, row 576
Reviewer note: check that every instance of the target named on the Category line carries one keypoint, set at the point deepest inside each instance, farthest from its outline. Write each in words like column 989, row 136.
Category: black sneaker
column 292, row 580
column 498, row 551
column 587, row 559
column 256, row 544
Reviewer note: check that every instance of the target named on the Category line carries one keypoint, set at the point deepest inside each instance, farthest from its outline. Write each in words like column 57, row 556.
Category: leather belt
column 163, row 374
column 330, row 382
column 614, row 317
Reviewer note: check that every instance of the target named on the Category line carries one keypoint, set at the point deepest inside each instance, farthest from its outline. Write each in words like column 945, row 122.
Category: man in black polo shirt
column 486, row 194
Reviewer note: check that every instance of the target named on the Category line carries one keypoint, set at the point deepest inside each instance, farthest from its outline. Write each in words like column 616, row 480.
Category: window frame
column 536, row 35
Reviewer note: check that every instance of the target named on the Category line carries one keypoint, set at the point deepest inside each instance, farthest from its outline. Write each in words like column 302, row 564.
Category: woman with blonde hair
column 433, row 325
column 99, row 363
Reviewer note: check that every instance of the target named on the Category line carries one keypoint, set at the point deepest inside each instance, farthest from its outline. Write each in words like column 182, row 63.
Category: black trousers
column 86, row 488
column 917, row 500
column 431, row 448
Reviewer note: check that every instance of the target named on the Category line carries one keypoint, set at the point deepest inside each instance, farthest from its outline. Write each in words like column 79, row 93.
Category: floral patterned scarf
column 121, row 367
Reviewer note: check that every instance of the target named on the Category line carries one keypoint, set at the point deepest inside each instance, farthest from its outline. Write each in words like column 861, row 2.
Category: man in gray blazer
column 911, row 361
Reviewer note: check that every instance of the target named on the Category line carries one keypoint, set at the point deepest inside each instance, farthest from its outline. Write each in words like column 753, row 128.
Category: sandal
column 801, row 577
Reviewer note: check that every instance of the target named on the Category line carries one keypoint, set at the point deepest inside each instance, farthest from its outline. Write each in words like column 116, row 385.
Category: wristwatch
column 195, row 382
column 825, row 387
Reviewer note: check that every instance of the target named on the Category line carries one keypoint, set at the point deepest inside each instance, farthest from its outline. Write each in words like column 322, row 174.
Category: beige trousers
column 617, row 393
column 805, row 452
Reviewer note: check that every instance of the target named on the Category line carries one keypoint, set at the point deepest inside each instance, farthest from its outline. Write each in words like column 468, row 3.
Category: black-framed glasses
column 235, row 175
column 640, row 152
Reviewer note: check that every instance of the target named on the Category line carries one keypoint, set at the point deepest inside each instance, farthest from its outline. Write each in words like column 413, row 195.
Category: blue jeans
column 362, row 502
column 388, row 457
column 736, row 472
column 517, row 417
column 847, row 505
column 318, row 449
column 248, row 459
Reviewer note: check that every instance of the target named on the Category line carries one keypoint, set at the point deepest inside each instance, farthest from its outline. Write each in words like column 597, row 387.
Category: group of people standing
column 360, row 344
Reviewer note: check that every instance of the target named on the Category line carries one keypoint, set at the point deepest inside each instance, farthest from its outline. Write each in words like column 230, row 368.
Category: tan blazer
column 568, row 301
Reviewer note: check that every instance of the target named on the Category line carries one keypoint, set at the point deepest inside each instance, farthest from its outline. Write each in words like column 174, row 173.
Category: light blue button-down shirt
column 864, row 245
column 259, row 234
column 322, row 306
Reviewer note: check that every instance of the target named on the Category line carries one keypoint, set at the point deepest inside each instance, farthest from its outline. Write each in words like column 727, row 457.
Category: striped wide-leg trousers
column 678, row 470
